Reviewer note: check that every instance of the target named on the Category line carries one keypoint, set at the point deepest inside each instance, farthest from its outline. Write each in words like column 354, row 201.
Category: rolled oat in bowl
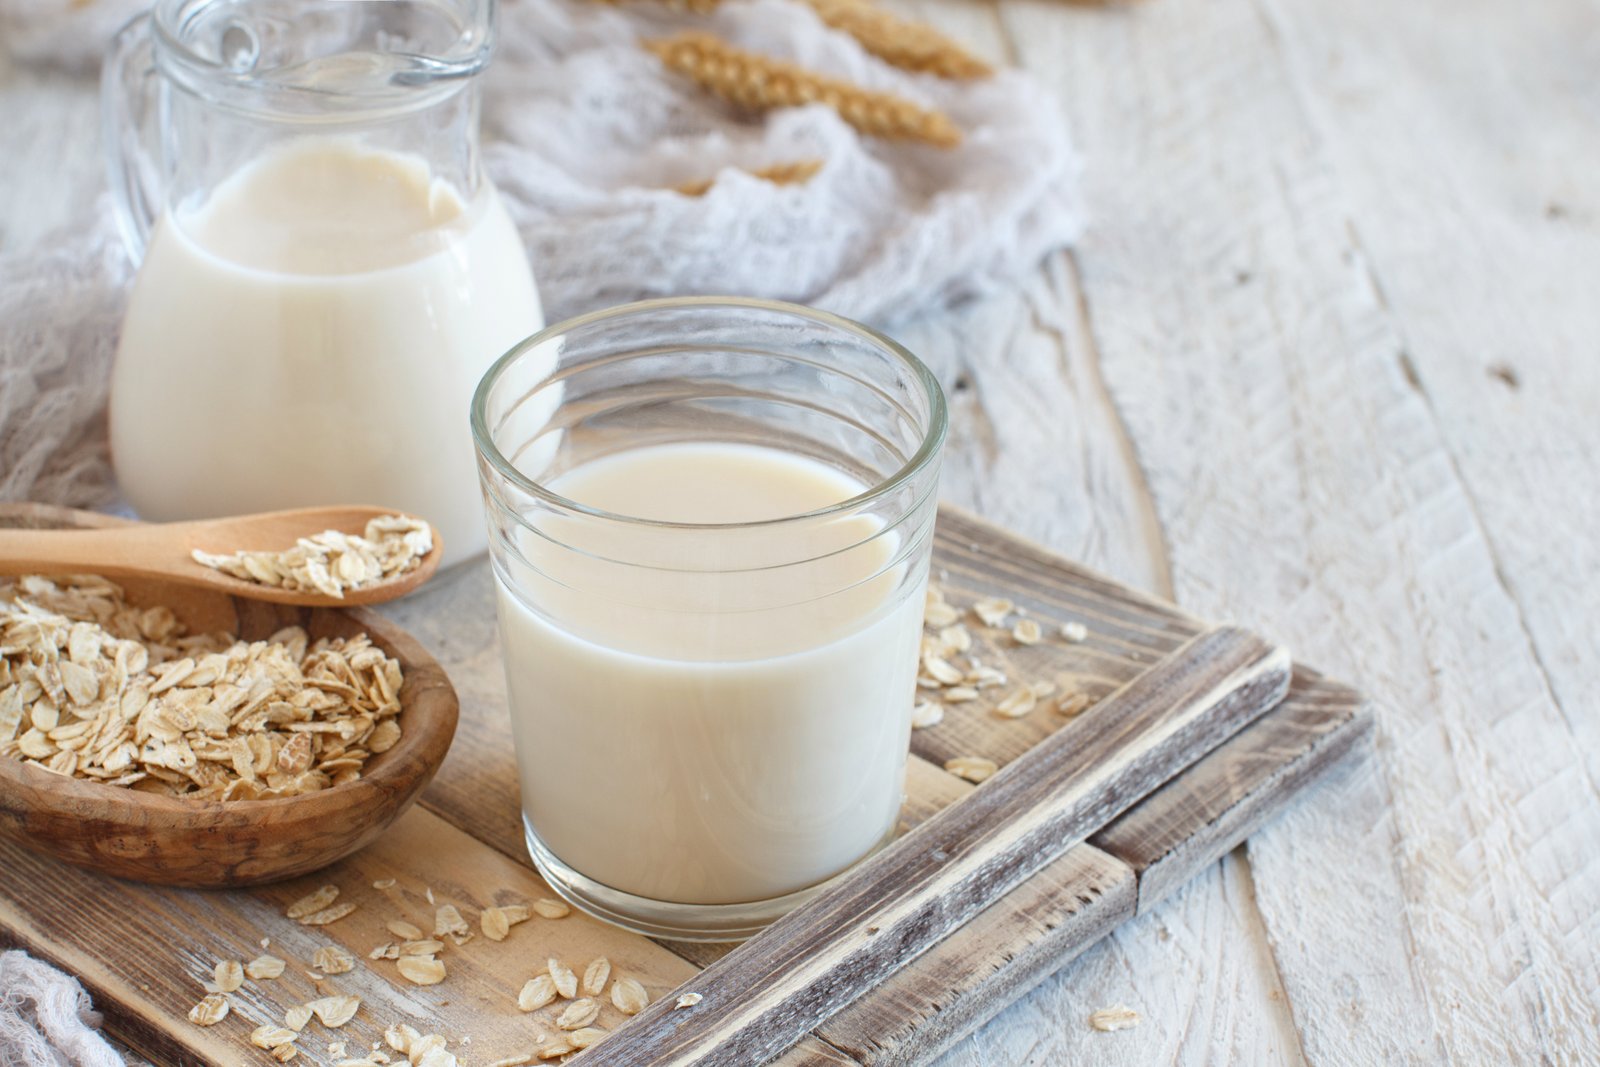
column 95, row 688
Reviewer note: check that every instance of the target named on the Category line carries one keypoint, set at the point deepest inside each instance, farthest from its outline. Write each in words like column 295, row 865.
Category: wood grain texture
column 1447, row 912
column 1321, row 728
column 152, row 838
column 145, row 952
column 906, row 898
column 1000, row 955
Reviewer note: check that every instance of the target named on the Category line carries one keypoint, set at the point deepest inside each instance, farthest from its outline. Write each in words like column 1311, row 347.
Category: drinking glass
column 711, row 718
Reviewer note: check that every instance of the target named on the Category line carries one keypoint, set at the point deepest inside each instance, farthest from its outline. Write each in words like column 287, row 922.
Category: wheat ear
column 796, row 173
column 762, row 83
column 900, row 42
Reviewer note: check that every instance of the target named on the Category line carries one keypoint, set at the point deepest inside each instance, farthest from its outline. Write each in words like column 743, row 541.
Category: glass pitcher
column 324, row 270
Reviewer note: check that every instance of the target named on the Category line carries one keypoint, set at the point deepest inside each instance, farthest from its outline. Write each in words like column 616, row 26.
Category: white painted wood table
column 1326, row 363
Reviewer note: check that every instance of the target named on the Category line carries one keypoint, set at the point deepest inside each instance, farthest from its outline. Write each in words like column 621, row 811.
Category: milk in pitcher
column 311, row 334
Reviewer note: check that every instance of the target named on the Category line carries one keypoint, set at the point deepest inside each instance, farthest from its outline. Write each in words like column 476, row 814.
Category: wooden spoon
column 162, row 550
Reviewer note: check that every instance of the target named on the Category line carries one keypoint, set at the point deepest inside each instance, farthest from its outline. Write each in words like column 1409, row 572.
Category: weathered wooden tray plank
column 944, row 994
column 146, row 953
column 986, row 964
column 1197, row 817
column 1320, row 728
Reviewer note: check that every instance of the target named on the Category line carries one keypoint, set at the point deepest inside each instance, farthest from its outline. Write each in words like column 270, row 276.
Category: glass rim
column 436, row 76
column 932, row 441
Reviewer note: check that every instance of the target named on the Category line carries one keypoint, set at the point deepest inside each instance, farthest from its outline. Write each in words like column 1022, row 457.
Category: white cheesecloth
column 585, row 133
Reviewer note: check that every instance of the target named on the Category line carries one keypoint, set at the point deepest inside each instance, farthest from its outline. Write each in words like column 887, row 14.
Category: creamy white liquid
column 711, row 738
column 312, row 334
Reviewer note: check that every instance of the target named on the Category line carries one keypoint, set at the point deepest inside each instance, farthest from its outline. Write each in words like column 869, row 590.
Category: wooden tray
column 145, row 953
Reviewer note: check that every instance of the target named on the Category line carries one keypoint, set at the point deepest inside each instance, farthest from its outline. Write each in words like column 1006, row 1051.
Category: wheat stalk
column 796, row 173
column 762, row 83
column 900, row 42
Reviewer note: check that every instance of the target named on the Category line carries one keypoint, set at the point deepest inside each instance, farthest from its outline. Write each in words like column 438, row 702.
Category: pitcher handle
column 129, row 124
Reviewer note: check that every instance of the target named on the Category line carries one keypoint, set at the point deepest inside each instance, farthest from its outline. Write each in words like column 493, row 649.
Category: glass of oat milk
column 324, row 270
column 709, row 521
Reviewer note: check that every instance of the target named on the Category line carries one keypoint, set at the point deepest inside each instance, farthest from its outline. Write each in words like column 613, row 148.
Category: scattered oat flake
column 403, row 930
column 383, row 883
column 1017, row 704
column 228, row 975
column 556, row 1049
column 595, row 976
column 959, row 694
column 1026, row 632
column 688, row 1000
column 939, row 615
column 426, row 947
column 1117, row 1018
column 329, row 915
column 1043, row 689
column 270, row 1035
column 212, row 1009
column 586, row 1036
column 437, row 1056
column 400, row 1036
column 1073, row 705
column 494, row 924
column 1075, row 632
column 263, row 967
column 448, row 921
column 334, row 1012
column 993, row 611
column 297, row 1017
column 331, row 959
column 972, row 768
column 420, row 970
column 985, row 677
column 629, row 996
column 956, row 638
column 285, row 1053
column 926, row 714
column 941, row 671
column 551, row 909
column 385, row 952
column 578, row 1014
column 566, row 982
column 537, row 992
column 515, row 913
column 518, row 1060
column 428, row 892
column 313, row 902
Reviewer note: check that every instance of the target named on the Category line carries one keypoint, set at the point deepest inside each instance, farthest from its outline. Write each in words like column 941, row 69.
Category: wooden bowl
column 152, row 838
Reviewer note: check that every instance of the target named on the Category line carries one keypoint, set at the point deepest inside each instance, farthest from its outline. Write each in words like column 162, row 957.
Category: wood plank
column 906, row 898
column 1320, row 728
column 145, row 953
column 1199, row 816
column 999, row 956
column 1442, row 906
